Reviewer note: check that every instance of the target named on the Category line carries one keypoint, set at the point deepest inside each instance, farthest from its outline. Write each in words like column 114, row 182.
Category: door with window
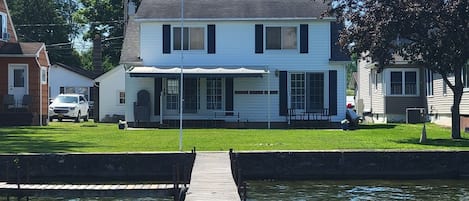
column 191, row 95
column 307, row 92
column 18, row 81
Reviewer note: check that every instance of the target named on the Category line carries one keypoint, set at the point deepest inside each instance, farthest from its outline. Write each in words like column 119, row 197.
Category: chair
column 8, row 100
column 142, row 107
column 26, row 102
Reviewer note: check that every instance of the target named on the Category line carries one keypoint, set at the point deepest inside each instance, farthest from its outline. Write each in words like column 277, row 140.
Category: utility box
column 415, row 115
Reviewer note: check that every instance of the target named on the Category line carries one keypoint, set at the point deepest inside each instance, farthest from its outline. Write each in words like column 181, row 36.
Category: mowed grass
column 60, row 137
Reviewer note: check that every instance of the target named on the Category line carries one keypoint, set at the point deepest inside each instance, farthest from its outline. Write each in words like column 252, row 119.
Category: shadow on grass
column 437, row 142
column 17, row 140
column 377, row 126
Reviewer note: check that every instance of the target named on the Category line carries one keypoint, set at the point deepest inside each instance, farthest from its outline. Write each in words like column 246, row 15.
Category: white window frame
column 204, row 41
column 301, row 95
column 119, row 92
column 214, row 95
column 465, row 77
column 403, row 71
column 4, row 27
column 429, row 82
column 43, row 75
column 282, row 27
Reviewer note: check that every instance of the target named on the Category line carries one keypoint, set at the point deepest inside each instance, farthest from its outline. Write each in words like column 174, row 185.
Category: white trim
column 403, row 71
column 42, row 74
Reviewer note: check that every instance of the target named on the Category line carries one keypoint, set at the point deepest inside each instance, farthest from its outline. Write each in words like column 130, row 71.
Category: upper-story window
column 465, row 76
column 403, row 82
column 193, row 38
column 280, row 38
column 3, row 27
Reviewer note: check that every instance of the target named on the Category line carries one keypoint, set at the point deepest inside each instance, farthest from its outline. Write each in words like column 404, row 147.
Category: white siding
column 364, row 87
column 440, row 103
column 61, row 77
column 235, row 46
column 110, row 84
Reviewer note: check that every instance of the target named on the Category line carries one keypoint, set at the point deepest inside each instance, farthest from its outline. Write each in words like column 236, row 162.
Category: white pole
column 181, row 97
column 268, row 99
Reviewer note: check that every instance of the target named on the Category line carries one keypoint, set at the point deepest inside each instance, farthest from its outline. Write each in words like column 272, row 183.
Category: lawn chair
column 8, row 100
column 142, row 107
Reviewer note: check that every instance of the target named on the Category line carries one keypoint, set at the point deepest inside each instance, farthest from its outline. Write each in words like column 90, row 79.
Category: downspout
column 40, row 92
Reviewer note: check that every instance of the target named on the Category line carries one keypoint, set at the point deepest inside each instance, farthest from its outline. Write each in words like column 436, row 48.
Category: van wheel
column 51, row 119
column 86, row 116
column 77, row 119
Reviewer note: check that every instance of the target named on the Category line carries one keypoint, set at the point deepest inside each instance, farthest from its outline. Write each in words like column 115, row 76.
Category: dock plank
column 212, row 179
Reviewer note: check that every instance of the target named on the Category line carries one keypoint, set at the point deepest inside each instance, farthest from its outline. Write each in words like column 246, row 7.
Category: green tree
column 431, row 33
column 104, row 18
column 47, row 21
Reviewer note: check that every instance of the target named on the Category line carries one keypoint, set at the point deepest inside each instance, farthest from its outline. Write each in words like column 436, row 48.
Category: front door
column 18, row 81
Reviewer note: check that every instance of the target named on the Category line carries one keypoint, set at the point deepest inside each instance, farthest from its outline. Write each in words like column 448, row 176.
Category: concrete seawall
column 159, row 167
column 352, row 165
column 164, row 167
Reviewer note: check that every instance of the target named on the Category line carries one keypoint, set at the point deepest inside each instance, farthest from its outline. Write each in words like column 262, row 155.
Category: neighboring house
column 396, row 91
column 245, row 62
column 68, row 79
column 23, row 77
column 112, row 95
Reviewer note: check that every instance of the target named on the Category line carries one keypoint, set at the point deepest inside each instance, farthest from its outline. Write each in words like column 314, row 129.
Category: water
column 438, row 190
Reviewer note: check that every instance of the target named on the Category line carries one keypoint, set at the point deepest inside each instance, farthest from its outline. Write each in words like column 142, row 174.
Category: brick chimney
column 97, row 55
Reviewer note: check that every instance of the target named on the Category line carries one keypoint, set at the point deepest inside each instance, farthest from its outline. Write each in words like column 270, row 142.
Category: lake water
column 438, row 190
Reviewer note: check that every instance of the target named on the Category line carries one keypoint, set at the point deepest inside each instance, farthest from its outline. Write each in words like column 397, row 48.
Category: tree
column 47, row 21
column 105, row 18
column 430, row 33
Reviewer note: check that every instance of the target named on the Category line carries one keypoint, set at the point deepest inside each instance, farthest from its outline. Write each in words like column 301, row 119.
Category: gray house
column 399, row 92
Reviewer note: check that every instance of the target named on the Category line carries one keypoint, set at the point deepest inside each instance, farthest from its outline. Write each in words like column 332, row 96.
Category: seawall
column 351, row 165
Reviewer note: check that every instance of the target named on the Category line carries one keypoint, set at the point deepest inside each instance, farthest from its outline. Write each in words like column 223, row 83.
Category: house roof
column 231, row 9
column 130, row 53
column 77, row 70
column 204, row 71
column 30, row 48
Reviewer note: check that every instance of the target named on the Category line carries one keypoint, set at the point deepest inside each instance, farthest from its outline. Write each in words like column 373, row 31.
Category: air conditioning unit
column 6, row 36
column 415, row 115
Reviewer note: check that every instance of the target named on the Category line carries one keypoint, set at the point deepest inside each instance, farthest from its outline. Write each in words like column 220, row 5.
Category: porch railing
column 316, row 115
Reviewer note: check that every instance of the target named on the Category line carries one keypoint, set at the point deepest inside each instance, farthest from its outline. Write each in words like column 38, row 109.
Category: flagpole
column 181, row 96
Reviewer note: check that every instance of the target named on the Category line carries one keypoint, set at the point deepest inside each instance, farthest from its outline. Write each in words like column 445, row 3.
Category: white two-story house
column 249, row 63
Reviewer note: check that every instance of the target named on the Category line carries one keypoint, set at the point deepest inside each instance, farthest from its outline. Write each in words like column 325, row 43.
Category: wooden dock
column 88, row 190
column 212, row 179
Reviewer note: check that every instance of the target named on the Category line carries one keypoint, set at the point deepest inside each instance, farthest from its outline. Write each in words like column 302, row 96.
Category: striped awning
column 150, row 71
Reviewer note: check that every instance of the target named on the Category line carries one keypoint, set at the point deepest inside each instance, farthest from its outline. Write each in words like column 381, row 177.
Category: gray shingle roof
column 237, row 9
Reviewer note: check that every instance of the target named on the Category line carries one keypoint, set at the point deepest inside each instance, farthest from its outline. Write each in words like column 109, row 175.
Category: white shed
column 112, row 94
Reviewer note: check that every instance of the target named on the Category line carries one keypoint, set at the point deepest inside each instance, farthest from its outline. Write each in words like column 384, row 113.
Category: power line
column 67, row 24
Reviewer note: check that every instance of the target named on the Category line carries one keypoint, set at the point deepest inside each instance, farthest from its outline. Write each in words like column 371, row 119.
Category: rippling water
column 362, row 190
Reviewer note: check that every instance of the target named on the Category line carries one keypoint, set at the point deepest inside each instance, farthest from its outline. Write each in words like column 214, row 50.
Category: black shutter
column 304, row 38
column 158, row 88
column 211, row 39
column 61, row 90
column 229, row 96
column 283, row 102
column 259, row 38
column 333, row 92
column 166, row 38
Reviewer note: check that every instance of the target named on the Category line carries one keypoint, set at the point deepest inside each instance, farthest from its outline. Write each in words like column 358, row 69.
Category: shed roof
column 29, row 48
column 232, row 9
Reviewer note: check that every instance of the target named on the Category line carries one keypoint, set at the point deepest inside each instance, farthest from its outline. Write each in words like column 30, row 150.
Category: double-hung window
column 172, row 96
column 194, row 38
column 403, row 83
column 465, row 76
column 297, row 91
column 281, row 38
column 429, row 82
column 214, row 93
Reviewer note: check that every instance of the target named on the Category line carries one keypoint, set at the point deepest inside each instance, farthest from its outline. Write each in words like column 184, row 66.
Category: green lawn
column 92, row 137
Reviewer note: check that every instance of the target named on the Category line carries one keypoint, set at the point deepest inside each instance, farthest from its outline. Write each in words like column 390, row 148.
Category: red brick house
column 23, row 77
